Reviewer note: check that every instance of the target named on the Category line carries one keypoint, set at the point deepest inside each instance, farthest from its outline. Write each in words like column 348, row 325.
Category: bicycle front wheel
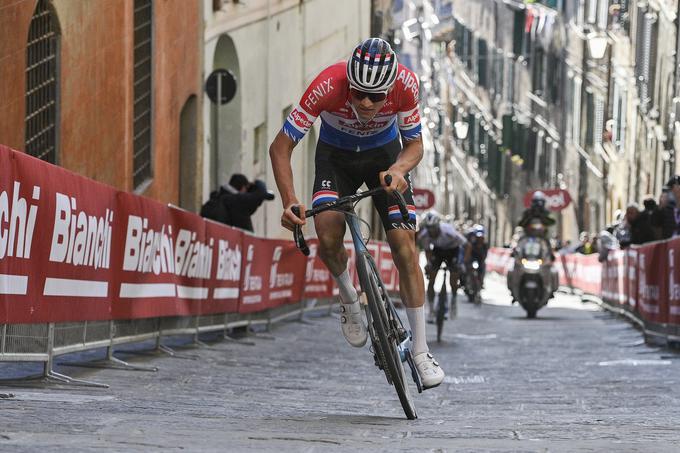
column 386, row 333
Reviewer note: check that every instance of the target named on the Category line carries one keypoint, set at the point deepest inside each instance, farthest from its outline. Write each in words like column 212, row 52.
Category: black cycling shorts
column 341, row 172
column 448, row 256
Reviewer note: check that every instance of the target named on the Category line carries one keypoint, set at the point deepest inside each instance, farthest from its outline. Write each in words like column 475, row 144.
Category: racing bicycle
column 389, row 337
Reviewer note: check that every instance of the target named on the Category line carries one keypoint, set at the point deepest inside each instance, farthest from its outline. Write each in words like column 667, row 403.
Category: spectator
column 652, row 212
column 668, row 215
column 234, row 203
column 639, row 225
column 586, row 246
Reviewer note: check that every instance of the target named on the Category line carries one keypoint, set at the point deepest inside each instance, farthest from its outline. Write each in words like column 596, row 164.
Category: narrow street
column 575, row 379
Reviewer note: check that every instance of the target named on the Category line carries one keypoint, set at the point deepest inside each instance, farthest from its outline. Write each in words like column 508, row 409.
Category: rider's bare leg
column 411, row 284
column 330, row 228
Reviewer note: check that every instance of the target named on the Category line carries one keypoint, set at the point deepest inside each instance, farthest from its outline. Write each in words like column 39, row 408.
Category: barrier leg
column 49, row 375
column 111, row 362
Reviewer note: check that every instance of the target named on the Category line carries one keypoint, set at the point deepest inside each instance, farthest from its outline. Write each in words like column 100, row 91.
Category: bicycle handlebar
column 299, row 237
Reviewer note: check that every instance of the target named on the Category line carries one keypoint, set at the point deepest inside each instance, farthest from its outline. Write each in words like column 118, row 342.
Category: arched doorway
column 225, row 156
column 188, row 157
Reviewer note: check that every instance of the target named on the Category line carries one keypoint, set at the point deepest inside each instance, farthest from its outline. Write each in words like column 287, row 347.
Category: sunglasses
column 361, row 95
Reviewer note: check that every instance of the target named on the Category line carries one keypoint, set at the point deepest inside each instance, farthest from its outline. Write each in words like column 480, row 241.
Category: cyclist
column 365, row 103
column 477, row 249
column 442, row 243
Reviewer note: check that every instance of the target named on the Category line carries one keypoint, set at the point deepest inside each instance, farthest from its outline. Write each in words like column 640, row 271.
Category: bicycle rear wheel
column 385, row 328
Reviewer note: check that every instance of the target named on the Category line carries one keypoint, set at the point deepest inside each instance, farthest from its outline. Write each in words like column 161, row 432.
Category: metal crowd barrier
column 44, row 342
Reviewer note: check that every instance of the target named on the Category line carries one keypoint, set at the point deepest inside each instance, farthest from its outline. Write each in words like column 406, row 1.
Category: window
column 142, row 113
column 42, row 84
column 619, row 117
column 483, row 55
column 260, row 148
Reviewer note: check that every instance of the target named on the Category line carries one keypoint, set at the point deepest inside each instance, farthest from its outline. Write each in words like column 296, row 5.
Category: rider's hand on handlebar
column 398, row 181
column 289, row 220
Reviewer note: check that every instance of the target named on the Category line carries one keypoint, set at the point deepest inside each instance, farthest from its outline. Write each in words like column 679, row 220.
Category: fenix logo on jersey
column 147, row 250
column 80, row 238
column 19, row 215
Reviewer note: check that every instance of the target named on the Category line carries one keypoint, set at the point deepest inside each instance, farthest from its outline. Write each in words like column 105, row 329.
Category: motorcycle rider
column 537, row 210
column 441, row 243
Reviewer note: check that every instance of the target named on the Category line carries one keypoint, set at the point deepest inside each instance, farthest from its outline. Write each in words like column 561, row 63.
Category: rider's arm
column 280, row 153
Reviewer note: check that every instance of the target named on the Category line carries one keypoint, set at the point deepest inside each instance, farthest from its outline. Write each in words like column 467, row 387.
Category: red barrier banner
column 652, row 297
column 227, row 265
column 498, row 260
column 318, row 279
column 286, row 272
column 673, row 286
column 613, row 278
column 55, row 243
column 631, row 284
column 162, row 259
column 254, row 274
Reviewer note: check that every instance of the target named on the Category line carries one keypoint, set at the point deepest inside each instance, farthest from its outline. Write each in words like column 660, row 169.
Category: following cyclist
column 365, row 103
column 442, row 243
column 477, row 249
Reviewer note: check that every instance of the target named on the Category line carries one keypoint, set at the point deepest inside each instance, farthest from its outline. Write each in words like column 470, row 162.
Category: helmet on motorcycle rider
column 538, row 200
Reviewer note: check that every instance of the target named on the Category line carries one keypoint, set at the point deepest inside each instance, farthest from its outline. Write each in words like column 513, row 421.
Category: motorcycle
column 532, row 280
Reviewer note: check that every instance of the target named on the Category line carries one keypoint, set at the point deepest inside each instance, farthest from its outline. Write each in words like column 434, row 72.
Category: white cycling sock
column 348, row 295
column 416, row 319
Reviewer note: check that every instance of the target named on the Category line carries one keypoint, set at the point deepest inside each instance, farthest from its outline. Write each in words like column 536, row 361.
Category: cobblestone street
column 575, row 379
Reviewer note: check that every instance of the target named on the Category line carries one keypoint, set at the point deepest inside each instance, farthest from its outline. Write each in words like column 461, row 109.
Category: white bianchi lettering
column 17, row 222
column 228, row 262
column 80, row 238
column 148, row 250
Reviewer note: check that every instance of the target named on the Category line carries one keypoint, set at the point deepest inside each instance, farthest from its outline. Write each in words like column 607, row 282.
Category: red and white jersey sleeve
column 322, row 94
column 408, row 114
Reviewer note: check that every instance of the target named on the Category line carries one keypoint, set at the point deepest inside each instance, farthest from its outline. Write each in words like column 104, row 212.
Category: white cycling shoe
column 431, row 374
column 352, row 324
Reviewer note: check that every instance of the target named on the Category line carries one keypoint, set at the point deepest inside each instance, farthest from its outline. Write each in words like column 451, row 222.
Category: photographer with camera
column 234, row 203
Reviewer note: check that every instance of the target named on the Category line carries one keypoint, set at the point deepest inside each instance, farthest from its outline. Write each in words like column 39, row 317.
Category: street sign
column 221, row 84
column 423, row 199
column 555, row 199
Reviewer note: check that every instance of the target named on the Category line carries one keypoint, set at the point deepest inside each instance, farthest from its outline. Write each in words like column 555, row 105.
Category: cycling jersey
column 448, row 238
column 328, row 96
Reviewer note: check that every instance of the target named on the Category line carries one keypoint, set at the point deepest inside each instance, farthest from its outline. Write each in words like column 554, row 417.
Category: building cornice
column 235, row 16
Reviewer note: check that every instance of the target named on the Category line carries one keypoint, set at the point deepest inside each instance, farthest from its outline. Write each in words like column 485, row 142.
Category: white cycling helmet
column 372, row 67
column 431, row 218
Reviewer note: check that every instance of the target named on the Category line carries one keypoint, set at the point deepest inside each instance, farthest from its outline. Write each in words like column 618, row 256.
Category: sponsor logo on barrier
column 147, row 250
column 228, row 262
column 279, row 280
column 251, row 282
column 79, row 238
column 673, row 286
column 16, row 240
